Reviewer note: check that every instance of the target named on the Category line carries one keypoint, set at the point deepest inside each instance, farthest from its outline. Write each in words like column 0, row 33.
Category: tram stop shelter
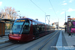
column 2, row 25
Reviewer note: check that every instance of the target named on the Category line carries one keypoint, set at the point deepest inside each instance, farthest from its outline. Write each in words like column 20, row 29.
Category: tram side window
column 48, row 27
column 35, row 28
column 26, row 27
column 43, row 27
column 40, row 28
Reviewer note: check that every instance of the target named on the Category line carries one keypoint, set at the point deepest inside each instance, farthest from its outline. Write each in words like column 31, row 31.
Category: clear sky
column 55, row 8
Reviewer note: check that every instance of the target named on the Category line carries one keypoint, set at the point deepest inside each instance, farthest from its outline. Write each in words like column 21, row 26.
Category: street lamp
column 20, row 14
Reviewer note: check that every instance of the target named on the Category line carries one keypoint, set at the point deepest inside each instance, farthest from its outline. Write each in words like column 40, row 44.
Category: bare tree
column 9, row 13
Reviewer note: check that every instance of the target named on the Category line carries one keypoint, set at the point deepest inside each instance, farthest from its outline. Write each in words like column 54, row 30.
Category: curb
column 59, row 42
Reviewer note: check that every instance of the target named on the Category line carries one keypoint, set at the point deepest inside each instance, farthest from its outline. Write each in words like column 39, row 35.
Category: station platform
column 70, row 39
column 65, row 42
column 5, row 38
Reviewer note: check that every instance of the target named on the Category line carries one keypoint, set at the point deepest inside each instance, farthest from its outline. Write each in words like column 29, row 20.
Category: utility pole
column 45, row 18
column 20, row 15
column 65, row 16
column 48, row 18
column 58, row 23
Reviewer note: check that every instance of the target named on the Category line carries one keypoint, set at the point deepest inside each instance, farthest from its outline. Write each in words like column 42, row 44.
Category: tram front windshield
column 21, row 26
column 17, row 27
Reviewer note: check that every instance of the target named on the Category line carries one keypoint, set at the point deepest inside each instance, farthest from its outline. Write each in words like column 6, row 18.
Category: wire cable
column 52, row 7
column 37, row 6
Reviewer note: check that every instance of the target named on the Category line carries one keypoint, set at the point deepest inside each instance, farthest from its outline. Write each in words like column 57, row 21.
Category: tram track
column 27, row 45
column 41, row 43
column 32, row 44
column 48, row 43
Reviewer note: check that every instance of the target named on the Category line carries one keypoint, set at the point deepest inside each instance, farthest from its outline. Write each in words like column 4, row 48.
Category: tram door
column 35, row 30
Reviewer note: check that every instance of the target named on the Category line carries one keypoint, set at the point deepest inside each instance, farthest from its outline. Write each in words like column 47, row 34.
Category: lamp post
column 20, row 14
column 16, row 14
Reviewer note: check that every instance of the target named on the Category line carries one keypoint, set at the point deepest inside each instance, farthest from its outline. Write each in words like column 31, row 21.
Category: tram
column 26, row 29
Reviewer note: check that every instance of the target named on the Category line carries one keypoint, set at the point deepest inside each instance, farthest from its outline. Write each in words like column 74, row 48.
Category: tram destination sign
column 20, row 21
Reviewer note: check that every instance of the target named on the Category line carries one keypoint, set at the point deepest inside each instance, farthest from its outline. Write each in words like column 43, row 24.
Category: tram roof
column 33, row 20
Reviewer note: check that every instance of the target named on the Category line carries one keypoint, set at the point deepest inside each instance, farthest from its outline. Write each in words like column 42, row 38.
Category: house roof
column 7, row 20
